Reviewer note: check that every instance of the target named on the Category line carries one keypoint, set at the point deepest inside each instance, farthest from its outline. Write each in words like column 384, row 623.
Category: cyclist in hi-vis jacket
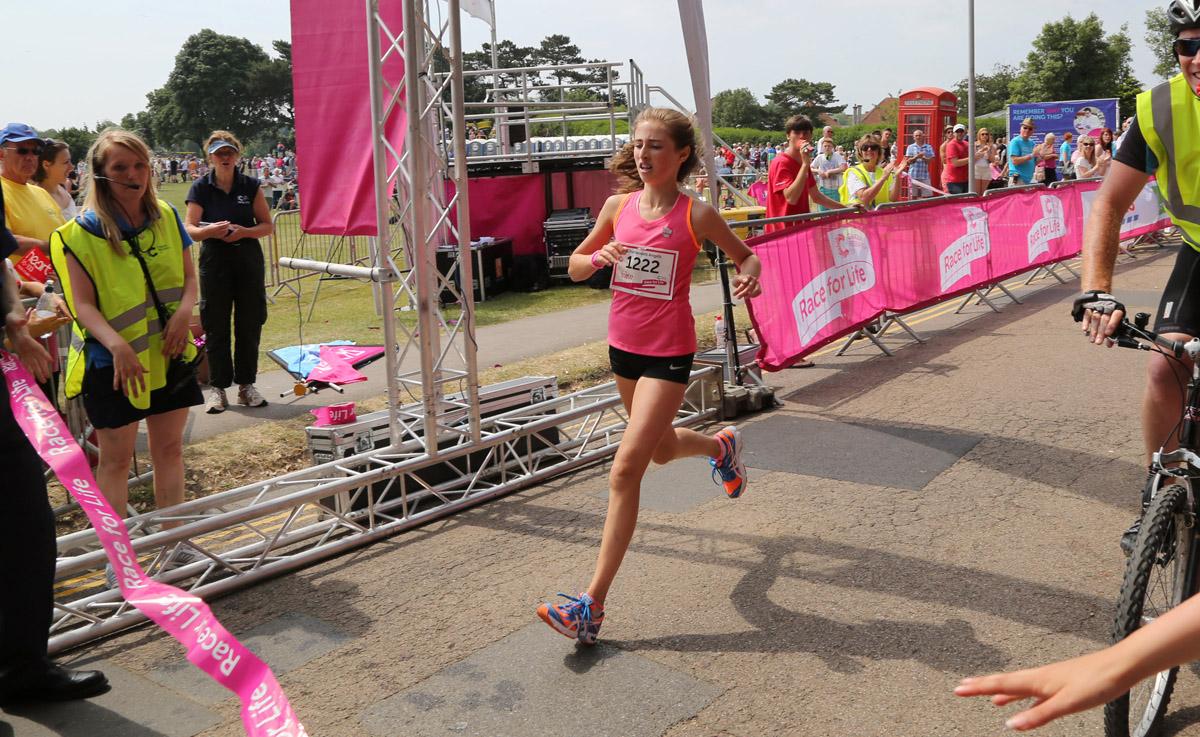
column 1164, row 131
column 1168, row 120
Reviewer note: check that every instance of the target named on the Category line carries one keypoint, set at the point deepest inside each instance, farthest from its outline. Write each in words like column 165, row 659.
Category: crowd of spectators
column 988, row 163
column 275, row 171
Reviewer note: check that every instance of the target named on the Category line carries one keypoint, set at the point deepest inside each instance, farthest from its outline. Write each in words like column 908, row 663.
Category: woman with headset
column 131, row 287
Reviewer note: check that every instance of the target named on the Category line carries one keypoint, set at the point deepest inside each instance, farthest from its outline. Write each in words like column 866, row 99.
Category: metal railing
column 530, row 100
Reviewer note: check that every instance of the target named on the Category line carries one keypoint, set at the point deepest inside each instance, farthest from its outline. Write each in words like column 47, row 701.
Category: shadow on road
column 765, row 559
column 950, row 646
column 79, row 719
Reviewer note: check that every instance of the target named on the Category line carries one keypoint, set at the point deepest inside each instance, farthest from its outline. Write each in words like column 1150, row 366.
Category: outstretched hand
column 1058, row 689
column 745, row 285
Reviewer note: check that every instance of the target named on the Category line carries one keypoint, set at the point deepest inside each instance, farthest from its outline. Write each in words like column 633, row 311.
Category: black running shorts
column 1179, row 310
column 634, row 366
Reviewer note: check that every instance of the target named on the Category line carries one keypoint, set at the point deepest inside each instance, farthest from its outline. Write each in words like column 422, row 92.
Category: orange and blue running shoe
column 729, row 466
column 579, row 618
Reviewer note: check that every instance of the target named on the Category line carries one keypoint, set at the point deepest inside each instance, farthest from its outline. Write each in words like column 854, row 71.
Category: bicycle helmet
column 1183, row 14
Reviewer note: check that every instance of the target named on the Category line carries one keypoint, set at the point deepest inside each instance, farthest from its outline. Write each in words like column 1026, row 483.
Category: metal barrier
column 289, row 240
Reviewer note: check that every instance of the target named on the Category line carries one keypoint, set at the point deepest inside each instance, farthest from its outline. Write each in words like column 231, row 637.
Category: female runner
column 650, row 235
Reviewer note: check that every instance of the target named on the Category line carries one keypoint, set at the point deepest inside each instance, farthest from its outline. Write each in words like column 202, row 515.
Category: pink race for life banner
column 331, row 86
column 210, row 647
column 826, row 278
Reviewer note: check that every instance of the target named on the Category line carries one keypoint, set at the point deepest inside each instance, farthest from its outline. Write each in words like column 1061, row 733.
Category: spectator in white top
column 275, row 183
column 829, row 166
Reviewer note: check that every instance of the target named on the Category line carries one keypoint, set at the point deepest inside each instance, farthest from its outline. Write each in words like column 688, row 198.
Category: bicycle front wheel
column 1156, row 580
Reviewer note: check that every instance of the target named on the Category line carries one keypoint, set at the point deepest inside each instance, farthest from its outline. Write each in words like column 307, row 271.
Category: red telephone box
column 930, row 109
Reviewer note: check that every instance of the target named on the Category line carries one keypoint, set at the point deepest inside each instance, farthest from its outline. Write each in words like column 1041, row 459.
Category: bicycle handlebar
column 1129, row 335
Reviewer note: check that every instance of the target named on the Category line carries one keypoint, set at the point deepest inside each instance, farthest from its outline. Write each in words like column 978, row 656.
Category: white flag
column 481, row 9
column 695, row 42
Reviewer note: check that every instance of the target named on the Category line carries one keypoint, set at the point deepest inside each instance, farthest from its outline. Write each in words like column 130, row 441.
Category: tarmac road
column 950, row 511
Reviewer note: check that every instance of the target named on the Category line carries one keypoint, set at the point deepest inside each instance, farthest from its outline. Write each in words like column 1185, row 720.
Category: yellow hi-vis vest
column 847, row 197
column 1169, row 117
column 122, row 294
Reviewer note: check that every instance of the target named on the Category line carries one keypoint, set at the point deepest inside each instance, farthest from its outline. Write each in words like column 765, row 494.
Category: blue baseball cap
column 219, row 144
column 18, row 132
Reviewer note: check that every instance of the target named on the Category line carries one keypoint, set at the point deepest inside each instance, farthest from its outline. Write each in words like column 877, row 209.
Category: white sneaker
column 250, row 397
column 216, row 402
column 181, row 557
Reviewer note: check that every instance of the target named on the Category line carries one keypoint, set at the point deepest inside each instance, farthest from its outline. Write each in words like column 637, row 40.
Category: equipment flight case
column 371, row 431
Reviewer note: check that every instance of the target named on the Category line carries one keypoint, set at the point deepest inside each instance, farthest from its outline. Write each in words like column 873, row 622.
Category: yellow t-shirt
column 30, row 210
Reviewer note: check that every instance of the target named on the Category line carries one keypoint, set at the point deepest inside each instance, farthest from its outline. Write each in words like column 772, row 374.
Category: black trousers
column 27, row 549
column 231, row 286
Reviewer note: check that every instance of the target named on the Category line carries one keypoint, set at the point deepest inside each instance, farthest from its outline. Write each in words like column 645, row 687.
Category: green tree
column 1160, row 40
column 557, row 49
column 219, row 82
column 78, row 139
column 140, row 124
column 736, row 109
column 792, row 96
column 992, row 91
column 271, row 84
column 1074, row 60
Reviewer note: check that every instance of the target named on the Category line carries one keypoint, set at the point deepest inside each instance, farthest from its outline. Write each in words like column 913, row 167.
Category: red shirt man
column 958, row 155
column 791, row 186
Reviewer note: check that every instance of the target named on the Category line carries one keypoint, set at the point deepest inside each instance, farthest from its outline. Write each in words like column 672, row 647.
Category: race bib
column 647, row 272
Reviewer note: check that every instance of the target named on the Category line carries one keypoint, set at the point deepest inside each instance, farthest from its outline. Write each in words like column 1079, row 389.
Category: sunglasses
column 1087, row 145
column 1027, row 127
column 871, row 147
column 23, row 151
column 1186, row 46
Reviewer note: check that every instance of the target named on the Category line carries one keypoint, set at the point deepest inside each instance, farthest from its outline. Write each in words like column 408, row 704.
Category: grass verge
column 274, row 448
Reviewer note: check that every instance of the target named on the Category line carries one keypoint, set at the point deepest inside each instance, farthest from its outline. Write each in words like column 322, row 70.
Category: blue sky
column 99, row 61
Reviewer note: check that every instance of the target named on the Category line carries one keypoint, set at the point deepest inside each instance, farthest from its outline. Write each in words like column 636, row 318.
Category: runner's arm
column 580, row 266
column 709, row 225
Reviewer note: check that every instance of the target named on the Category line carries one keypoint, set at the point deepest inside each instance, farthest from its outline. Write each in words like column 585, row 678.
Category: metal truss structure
column 265, row 529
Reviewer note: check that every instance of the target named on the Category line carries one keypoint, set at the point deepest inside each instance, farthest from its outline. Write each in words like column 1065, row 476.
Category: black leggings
column 27, row 549
column 231, row 286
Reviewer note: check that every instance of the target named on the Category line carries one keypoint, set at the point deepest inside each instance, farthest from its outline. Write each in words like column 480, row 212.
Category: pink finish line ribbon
column 210, row 647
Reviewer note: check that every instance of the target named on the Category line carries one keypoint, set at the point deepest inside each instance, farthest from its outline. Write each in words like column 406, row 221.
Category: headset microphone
column 114, row 181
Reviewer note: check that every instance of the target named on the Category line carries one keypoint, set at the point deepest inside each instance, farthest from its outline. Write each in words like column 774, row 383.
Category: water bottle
column 719, row 330
column 45, row 303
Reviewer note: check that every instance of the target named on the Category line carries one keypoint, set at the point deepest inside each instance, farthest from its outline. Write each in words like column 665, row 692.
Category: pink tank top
column 651, row 313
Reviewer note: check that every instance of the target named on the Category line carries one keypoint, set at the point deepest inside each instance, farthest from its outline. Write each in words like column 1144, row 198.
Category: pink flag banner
column 335, row 368
column 826, row 278
column 507, row 207
column 210, row 647
column 331, row 86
